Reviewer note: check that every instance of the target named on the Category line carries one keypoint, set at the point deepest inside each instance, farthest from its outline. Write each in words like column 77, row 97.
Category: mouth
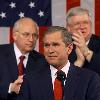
column 83, row 32
column 30, row 45
column 52, row 57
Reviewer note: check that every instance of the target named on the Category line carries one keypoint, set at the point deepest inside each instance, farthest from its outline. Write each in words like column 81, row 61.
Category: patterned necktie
column 21, row 66
column 58, row 85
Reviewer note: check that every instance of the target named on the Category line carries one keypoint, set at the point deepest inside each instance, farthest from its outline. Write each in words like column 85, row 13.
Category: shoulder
column 38, row 58
column 86, row 73
column 95, row 37
column 36, row 55
column 5, row 48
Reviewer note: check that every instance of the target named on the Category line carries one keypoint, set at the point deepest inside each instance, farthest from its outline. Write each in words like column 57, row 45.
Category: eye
column 86, row 22
column 46, row 45
column 25, row 34
column 55, row 44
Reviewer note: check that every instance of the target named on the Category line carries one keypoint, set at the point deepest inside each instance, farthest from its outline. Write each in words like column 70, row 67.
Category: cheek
column 45, row 51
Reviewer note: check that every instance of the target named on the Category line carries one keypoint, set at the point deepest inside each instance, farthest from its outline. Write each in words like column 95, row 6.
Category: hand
column 79, row 41
column 15, row 87
column 80, row 58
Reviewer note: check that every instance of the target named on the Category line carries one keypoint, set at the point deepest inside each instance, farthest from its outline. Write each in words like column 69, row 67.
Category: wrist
column 79, row 63
column 88, row 54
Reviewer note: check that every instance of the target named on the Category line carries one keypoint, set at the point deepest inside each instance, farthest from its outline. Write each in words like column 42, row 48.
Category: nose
column 32, row 37
column 51, row 49
column 82, row 25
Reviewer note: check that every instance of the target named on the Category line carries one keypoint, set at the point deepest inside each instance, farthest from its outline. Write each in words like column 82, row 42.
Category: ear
column 14, row 35
column 70, row 48
column 68, row 28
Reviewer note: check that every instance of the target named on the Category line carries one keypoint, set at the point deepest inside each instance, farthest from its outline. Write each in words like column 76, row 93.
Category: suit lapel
column 32, row 62
column 44, row 84
column 35, row 62
column 48, row 86
column 71, row 83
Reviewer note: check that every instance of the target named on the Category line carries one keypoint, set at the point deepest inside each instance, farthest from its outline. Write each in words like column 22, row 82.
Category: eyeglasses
column 28, row 35
column 79, row 24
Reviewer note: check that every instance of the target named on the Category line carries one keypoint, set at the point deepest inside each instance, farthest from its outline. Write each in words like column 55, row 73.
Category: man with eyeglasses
column 25, row 35
column 86, row 52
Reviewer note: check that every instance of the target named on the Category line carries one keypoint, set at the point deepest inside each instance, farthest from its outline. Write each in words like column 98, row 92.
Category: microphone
column 61, row 76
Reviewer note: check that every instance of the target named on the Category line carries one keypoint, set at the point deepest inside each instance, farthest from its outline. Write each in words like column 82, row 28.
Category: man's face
column 80, row 23
column 25, row 38
column 55, row 50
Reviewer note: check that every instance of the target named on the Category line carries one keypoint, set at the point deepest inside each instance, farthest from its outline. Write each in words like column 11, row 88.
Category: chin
column 52, row 63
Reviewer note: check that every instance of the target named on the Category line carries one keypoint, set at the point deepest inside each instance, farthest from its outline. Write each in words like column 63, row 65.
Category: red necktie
column 58, row 90
column 21, row 65
column 58, row 85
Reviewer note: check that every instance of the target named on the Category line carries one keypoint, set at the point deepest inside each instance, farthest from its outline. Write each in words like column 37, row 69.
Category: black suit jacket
column 94, row 45
column 9, row 69
column 81, row 84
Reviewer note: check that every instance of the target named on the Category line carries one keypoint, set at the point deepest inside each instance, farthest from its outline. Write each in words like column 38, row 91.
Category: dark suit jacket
column 9, row 69
column 81, row 84
column 94, row 45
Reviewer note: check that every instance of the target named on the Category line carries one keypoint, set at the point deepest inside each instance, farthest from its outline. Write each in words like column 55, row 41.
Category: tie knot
column 22, row 58
column 61, row 75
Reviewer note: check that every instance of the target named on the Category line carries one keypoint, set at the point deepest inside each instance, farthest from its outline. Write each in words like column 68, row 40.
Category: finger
column 77, row 44
column 76, row 39
column 20, row 76
column 18, row 81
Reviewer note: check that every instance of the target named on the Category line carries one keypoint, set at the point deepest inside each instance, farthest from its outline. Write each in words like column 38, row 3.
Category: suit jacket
column 81, row 84
column 9, row 69
column 94, row 45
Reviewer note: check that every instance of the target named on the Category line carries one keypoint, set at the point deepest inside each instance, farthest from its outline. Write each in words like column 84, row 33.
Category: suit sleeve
column 4, row 82
column 93, row 91
column 24, row 91
column 95, row 63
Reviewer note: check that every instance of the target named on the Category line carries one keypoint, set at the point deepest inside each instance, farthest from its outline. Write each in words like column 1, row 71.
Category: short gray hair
column 66, row 35
column 76, row 11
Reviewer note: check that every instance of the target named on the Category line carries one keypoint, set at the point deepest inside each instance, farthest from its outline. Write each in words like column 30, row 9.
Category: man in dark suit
column 86, row 52
column 25, row 35
column 78, row 83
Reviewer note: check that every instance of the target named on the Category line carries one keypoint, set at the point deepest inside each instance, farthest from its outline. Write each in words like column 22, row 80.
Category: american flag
column 44, row 12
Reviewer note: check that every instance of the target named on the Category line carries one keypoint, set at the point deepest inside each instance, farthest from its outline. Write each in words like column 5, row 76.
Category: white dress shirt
column 18, row 54
column 65, row 69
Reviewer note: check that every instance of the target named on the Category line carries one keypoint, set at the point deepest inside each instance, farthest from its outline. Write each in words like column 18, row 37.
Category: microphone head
column 61, row 75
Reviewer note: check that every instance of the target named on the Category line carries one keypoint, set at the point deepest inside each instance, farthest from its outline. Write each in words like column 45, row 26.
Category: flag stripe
column 4, row 35
column 72, row 3
column 90, row 5
column 97, row 17
column 42, row 29
column 58, row 12
column 10, row 35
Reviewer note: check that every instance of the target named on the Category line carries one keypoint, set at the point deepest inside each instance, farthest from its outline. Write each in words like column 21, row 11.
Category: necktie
column 58, row 85
column 21, row 65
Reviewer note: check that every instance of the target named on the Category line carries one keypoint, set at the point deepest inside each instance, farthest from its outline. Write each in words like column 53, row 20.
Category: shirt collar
column 64, row 69
column 18, row 53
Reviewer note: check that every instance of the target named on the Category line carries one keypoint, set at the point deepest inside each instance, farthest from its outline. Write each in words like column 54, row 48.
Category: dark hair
column 66, row 35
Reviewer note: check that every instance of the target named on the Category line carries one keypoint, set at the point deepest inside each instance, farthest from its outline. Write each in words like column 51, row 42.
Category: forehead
column 79, row 17
column 27, row 26
column 53, row 37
